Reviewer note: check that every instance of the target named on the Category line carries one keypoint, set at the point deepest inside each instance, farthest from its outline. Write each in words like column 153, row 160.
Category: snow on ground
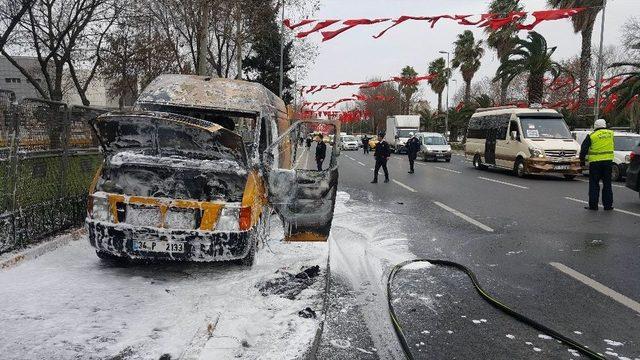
column 68, row 304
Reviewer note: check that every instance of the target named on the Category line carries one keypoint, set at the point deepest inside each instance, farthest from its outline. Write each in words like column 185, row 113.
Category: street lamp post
column 596, row 110
column 281, row 52
column 446, row 117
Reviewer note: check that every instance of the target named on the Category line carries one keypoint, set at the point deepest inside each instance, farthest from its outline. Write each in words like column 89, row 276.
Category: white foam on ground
column 417, row 265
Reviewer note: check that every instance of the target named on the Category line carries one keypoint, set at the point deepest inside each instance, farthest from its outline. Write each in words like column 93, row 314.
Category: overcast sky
column 356, row 56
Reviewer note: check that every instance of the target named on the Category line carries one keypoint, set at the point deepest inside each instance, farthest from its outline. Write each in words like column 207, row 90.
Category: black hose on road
column 490, row 299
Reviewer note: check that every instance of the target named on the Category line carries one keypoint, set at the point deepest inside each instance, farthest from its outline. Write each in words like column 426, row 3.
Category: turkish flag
column 350, row 24
column 548, row 15
column 288, row 24
column 319, row 26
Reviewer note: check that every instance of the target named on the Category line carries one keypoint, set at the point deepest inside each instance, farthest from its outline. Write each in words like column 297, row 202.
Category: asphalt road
column 531, row 244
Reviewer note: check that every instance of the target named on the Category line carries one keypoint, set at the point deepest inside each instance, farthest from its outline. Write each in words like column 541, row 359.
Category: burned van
column 196, row 169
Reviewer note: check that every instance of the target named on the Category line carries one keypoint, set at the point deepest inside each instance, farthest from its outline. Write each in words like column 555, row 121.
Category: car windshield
column 405, row 133
column 626, row 143
column 348, row 138
column 435, row 140
column 545, row 128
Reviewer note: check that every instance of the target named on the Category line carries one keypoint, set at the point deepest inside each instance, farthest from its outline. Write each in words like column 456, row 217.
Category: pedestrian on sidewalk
column 413, row 146
column 382, row 154
column 598, row 149
column 321, row 152
column 365, row 144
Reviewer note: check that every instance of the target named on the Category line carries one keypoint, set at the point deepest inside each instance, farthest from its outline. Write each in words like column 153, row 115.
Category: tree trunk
column 203, row 39
column 585, row 67
column 439, row 102
column 238, row 42
column 467, row 92
column 535, row 85
column 504, row 87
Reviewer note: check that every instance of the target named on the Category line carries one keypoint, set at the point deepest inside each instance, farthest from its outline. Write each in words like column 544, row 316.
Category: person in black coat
column 321, row 152
column 382, row 154
column 413, row 147
column 365, row 144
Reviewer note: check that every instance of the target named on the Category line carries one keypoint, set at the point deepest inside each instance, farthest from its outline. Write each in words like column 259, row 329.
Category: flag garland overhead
column 493, row 21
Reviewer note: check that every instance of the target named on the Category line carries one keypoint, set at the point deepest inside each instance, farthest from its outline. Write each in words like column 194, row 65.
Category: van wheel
column 251, row 256
column 615, row 173
column 518, row 168
column 477, row 163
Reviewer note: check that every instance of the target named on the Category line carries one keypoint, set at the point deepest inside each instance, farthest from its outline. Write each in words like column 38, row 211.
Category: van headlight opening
column 535, row 152
column 100, row 210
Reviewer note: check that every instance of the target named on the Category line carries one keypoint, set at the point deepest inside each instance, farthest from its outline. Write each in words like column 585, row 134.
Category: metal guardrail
column 48, row 156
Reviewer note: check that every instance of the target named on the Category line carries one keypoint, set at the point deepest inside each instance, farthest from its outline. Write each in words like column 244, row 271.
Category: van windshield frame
column 544, row 127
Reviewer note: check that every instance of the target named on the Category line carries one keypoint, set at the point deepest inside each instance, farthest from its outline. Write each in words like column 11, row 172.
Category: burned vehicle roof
column 209, row 93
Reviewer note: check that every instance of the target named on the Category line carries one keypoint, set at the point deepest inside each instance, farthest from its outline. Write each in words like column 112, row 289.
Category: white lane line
column 502, row 182
column 464, row 217
column 450, row 170
column 361, row 164
column 618, row 210
column 350, row 157
column 628, row 302
column 404, row 186
column 615, row 185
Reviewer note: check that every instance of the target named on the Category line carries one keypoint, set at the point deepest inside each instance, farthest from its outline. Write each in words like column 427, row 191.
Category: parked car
column 349, row 142
column 624, row 145
column 193, row 172
column 433, row 146
column 527, row 141
column 633, row 170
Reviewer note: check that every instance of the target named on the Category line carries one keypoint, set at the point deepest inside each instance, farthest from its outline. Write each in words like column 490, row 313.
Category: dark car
column 633, row 171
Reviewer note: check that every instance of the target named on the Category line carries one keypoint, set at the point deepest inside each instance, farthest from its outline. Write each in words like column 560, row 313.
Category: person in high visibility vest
column 597, row 148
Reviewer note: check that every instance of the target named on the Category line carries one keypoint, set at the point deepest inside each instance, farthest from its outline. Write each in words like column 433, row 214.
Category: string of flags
column 313, row 89
column 490, row 20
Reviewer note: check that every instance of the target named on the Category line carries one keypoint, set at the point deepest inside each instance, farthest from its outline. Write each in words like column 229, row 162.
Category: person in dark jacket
column 413, row 147
column 309, row 141
column 321, row 152
column 598, row 148
column 365, row 144
column 382, row 154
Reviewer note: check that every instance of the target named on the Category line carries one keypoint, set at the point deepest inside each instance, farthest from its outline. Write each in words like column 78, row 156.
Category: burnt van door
column 490, row 146
column 303, row 180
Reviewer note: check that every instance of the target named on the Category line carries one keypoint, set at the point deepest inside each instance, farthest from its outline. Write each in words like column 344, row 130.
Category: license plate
column 439, row 155
column 158, row 246
column 562, row 167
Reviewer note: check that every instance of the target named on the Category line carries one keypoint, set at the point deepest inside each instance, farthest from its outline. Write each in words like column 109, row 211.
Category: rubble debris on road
column 289, row 285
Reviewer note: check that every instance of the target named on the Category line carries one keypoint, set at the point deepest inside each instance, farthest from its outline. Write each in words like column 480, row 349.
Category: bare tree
column 11, row 12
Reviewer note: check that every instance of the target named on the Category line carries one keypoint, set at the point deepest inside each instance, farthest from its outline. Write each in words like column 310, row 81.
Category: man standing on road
column 365, row 144
column 413, row 146
column 321, row 152
column 598, row 148
column 382, row 154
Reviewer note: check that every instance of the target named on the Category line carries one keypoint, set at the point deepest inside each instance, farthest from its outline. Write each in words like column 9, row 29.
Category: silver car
column 434, row 146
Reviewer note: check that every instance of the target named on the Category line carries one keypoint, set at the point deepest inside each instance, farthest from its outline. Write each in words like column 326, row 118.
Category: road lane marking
column 361, row 164
column 464, row 217
column 502, row 182
column 628, row 302
column 450, row 170
column 618, row 210
column 404, row 186
column 616, row 185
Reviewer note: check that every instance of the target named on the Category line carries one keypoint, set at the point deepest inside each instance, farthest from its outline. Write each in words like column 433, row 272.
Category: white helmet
column 411, row 134
column 600, row 124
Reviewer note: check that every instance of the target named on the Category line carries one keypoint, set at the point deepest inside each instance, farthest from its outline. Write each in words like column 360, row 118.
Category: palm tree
column 466, row 56
column 408, row 87
column 504, row 39
column 530, row 56
column 583, row 24
column 442, row 74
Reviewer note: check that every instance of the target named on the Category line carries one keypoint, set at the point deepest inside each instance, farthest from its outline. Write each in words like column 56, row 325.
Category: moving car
column 526, row 140
column 193, row 172
column 433, row 146
column 633, row 171
column 624, row 143
column 348, row 142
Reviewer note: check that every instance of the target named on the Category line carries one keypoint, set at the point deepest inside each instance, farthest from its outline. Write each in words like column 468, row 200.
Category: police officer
column 365, row 144
column 413, row 146
column 598, row 149
column 321, row 152
column 382, row 154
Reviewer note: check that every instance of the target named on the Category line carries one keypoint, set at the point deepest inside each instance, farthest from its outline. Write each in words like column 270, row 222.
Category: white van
column 624, row 145
column 433, row 146
column 525, row 140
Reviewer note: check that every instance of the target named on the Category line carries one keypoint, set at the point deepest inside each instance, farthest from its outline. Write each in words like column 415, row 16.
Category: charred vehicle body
column 196, row 169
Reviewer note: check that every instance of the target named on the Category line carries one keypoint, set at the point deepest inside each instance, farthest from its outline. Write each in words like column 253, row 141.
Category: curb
column 15, row 259
column 313, row 349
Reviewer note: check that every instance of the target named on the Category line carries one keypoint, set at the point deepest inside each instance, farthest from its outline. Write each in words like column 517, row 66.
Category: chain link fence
column 48, row 157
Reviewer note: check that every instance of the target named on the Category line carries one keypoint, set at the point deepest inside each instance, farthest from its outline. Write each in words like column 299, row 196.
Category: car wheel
column 615, row 173
column 110, row 258
column 448, row 159
column 519, row 169
column 569, row 177
column 477, row 163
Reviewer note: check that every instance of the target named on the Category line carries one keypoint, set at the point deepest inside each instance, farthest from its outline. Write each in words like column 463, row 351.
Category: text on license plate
column 158, row 246
column 562, row 167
